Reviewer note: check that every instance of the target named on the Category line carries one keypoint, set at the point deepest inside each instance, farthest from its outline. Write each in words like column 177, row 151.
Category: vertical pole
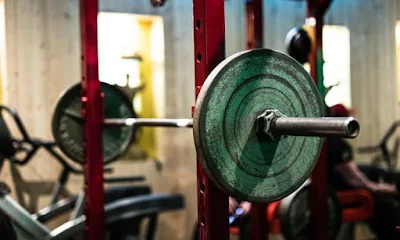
column 319, row 191
column 92, row 111
column 209, row 50
column 254, row 17
column 259, row 224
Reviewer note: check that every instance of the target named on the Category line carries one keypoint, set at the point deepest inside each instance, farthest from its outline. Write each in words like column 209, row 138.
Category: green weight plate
column 294, row 215
column 68, row 132
column 238, row 90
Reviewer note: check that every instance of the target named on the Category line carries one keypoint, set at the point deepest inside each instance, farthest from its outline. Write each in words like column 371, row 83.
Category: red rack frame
column 209, row 38
column 209, row 51
column 92, row 111
column 254, row 22
column 316, row 10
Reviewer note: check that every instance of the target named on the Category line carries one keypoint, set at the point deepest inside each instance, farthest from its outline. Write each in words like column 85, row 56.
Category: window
column 118, row 43
column 336, row 50
column 131, row 55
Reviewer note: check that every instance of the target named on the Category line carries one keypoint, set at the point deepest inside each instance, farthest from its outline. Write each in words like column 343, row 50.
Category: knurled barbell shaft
column 347, row 127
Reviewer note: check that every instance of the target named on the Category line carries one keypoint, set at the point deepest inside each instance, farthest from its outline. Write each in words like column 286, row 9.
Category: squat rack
column 92, row 111
column 316, row 10
column 209, row 51
column 254, row 34
column 209, row 42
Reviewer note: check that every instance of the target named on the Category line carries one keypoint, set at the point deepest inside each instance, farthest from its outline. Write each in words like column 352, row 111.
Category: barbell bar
column 257, row 125
column 137, row 122
column 344, row 127
column 274, row 124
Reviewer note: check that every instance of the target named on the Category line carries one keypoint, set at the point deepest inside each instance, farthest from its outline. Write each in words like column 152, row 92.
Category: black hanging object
column 157, row 3
column 298, row 44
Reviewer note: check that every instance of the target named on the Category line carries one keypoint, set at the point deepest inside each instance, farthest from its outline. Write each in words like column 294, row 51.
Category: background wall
column 373, row 56
column 41, row 57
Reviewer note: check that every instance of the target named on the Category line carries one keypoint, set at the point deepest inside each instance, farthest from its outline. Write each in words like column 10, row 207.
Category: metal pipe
column 293, row 126
column 150, row 122
column 319, row 127
column 139, row 122
column 275, row 124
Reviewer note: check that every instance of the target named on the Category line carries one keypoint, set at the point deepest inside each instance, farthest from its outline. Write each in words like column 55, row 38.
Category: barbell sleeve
column 317, row 127
column 274, row 124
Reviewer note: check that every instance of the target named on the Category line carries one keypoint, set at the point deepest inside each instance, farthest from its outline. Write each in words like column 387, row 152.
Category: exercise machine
column 126, row 206
column 389, row 157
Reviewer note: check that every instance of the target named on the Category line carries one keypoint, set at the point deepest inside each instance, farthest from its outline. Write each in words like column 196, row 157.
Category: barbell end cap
column 352, row 127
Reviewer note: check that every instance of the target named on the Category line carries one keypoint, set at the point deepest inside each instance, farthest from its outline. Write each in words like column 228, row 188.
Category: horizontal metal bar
column 319, row 127
column 275, row 124
column 55, row 209
column 150, row 122
column 124, row 179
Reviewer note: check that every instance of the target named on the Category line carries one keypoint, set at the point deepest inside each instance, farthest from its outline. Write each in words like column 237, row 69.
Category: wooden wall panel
column 42, row 58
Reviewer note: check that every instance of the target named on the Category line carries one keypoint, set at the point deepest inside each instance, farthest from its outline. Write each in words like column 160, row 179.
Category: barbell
column 257, row 125
column 271, row 123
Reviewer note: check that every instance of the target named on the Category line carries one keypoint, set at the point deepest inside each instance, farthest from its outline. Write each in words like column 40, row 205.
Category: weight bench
column 132, row 208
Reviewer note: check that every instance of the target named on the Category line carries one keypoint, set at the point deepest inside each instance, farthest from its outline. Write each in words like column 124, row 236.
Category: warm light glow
column 118, row 36
column 3, row 76
column 397, row 32
column 336, row 51
column 158, row 58
column 311, row 21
